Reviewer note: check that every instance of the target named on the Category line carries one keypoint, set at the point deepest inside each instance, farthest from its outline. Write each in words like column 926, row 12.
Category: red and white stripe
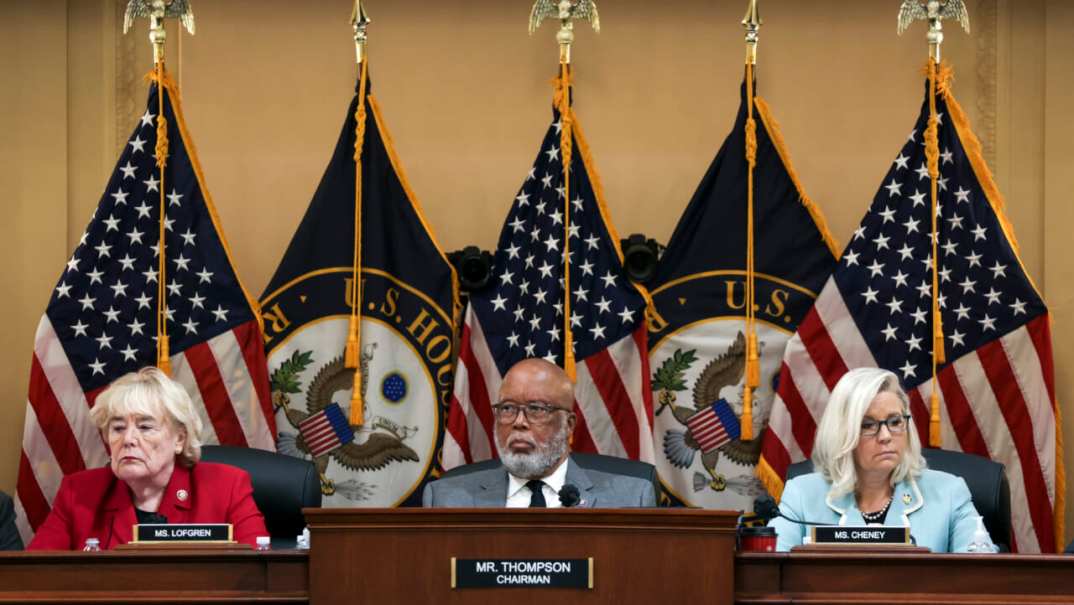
column 708, row 430
column 226, row 377
column 997, row 402
column 318, row 433
column 612, row 400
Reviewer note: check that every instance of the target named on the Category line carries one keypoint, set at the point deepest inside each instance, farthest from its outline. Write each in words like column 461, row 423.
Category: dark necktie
column 536, row 493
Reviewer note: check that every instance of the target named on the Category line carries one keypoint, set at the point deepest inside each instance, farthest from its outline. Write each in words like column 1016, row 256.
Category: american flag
column 326, row 430
column 997, row 387
column 521, row 315
column 714, row 426
column 100, row 322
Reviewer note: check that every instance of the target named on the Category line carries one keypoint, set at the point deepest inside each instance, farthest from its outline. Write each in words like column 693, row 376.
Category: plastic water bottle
column 981, row 542
column 302, row 541
column 92, row 545
column 264, row 543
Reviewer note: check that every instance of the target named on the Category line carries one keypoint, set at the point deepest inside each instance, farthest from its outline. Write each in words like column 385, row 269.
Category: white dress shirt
column 518, row 495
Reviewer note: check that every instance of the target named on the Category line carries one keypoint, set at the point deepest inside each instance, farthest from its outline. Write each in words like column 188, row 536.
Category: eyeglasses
column 536, row 412
column 896, row 425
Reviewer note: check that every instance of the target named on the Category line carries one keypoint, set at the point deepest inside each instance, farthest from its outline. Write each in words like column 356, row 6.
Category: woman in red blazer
column 152, row 432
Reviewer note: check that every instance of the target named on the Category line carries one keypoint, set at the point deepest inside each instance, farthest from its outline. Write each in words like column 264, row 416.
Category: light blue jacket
column 936, row 506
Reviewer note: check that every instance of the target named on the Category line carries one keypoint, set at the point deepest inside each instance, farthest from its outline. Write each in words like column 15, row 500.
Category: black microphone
column 569, row 496
column 766, row 508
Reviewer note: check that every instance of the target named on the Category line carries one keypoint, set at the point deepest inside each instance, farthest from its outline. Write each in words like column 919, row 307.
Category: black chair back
column 283, row 486
column 989, row 489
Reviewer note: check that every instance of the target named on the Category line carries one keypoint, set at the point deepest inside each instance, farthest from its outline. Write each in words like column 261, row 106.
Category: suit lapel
column 178, row 496
column 493, row 489
column 845, row 507
column 577, row 477
column 905, row 499
column 119, row 516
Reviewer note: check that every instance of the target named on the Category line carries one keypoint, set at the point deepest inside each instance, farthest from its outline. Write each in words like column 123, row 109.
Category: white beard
column 539, row 463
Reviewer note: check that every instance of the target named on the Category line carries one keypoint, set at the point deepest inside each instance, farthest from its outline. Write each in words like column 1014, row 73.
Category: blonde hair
column 150, row 392
column 840, row 429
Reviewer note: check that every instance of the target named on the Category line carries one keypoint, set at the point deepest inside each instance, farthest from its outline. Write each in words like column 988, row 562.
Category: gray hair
column 150, row 392
column 840, row 429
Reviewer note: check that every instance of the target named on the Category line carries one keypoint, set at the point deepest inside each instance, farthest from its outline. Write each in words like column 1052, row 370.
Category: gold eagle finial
column 566, row 11
column 156, row 11
column 933, row 11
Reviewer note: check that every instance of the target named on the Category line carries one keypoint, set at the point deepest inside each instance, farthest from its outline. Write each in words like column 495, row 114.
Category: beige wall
column 465, row 92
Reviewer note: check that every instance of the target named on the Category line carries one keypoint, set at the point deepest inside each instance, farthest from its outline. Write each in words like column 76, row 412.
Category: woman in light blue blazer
column 870, row 471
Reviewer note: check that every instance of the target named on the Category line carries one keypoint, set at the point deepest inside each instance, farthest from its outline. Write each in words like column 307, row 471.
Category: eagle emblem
column 682, row 446
column 376, row 444
column 933, row 11
column 159, row 9
column 565, row 10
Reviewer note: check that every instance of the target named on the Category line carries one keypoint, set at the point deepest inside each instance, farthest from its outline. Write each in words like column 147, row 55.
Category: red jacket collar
column 177, row 494
column 177, row 497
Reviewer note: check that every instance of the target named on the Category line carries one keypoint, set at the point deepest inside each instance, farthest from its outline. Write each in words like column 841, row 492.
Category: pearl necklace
column 878, row 516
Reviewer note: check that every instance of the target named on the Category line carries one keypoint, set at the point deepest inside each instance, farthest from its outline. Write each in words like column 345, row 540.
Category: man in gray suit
column 534, row 419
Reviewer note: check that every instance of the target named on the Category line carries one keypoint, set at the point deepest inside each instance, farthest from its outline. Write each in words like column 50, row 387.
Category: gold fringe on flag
column 352, row 353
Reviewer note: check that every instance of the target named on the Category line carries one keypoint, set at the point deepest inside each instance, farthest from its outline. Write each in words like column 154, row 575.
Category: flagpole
column 566, row 11
column 156, row 11
column 752, row 23
column 352, row 353
column 934, row 12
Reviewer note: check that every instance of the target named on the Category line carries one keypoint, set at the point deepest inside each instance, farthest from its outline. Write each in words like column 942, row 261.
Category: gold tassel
column 746, row 421
column 164, row 361
column 350, row 354
column 753, row 362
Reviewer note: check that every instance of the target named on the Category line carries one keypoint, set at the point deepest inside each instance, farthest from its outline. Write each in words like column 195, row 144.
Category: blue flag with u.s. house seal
column 698, row 354
column 408, row 301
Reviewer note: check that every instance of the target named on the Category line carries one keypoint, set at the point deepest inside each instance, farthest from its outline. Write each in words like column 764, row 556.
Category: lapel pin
column 906, row 498
column 182, row 495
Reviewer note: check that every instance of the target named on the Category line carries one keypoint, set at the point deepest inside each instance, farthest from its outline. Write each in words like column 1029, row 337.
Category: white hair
column 149, row 392
column 840, row 429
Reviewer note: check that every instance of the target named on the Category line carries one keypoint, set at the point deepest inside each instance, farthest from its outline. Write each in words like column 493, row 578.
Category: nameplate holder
column 860, row 535
column 522, row 573
column 156, row 533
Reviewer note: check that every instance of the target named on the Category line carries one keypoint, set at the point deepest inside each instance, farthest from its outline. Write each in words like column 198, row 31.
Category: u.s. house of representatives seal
column 698, row 378
column 405, row 361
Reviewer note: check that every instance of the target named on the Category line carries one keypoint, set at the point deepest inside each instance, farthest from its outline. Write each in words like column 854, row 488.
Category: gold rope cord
column 565, row 144
column 163, row 355
column 753, row 364
column 352, row 353
column 932, row 157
